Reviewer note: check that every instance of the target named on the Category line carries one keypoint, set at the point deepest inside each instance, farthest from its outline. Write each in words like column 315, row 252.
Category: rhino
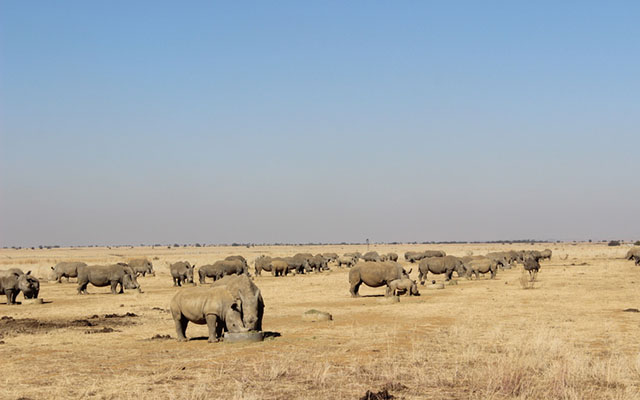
column 330, row 256
column 107, row 275
column 221, row 268
column 480, row 265
column 404, row 286
column 241, row 259
column 634, row 254
column 440, row 265
column 252, row 302
column 318, row 263
column 391, row 257
column 356, row 254
column 262, row 263
column 546, row 254
column 66, row 270
column 216, row 307
column 375, row 274
column 298, row 264
column 347, row 260
column 142, row 266
column 279, row 267
column 13, row 282
column 413, row 256
column 182, row 272
column 371, row 256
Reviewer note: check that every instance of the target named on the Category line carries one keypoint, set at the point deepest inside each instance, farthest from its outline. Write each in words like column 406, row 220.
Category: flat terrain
column 567, row 338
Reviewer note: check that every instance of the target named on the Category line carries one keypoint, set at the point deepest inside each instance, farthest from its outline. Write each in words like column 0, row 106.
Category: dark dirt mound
column 104, row 329
column 129, row 314
column 158, row 336
column 381, row 395
column 10, row 326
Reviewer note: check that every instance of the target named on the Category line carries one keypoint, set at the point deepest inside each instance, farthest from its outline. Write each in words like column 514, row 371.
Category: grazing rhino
column 252, row 302
column 279, row 267
column 330, row 256
column 262, row 263
column 66, row 270
column 356, row 254
column 318, row 263
column 12, row 283
column 142, row 266
column 532, row 265
column 480, row 265
column 298, row 264
column 371, row 256
column 634, row 254
column 241, row 259
column 546, row 254
column 216, row 307
column 182, row 272
column 404, row 286
column 375, row 274
column 107, row 275
column 347, row 260
column 391, row 257
column 221, row 268
column 440, row 265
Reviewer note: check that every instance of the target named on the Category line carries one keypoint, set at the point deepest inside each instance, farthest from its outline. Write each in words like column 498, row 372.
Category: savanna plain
column 566, row 337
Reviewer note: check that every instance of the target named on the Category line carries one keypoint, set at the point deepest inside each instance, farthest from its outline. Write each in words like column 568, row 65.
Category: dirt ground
column 567, row 338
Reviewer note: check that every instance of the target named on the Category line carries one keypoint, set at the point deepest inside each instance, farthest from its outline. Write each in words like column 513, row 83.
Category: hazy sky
column 161, row 122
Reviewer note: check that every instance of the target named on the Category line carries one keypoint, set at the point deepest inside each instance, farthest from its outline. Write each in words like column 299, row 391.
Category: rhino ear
column 28, row 273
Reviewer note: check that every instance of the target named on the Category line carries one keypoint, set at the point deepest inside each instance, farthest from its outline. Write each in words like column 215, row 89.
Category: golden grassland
column 566, row 338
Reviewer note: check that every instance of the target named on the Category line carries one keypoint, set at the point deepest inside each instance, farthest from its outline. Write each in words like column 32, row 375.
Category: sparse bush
column 637, row 243
column 614, row 243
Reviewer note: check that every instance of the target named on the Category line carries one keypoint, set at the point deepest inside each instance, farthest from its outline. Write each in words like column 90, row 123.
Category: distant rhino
column 404, row 286
column 262, row 263
column 66, row 270
column 375, row 274
column 142, row 266
column 181, row 272
column 107, row 275
column 440, row 265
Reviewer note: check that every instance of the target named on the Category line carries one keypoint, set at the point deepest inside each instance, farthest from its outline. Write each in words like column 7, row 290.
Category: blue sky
column 146, row 122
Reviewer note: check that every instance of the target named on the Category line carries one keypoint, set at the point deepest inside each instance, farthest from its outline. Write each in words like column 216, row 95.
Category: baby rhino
column 215, row 307
column 404, row 286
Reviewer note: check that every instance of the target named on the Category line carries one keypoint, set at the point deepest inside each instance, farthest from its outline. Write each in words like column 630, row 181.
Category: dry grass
column 480, row 339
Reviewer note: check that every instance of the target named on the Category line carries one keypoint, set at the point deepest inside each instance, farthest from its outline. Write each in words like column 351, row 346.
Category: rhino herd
column 233, row 302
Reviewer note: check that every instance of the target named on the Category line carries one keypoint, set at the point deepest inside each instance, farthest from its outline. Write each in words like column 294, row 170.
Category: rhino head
column 29, row 285
column 233, row 317
column 131, row 282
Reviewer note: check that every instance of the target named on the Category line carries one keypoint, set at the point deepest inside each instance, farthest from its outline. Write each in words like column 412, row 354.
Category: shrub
column 637, row 243
column 614, row 243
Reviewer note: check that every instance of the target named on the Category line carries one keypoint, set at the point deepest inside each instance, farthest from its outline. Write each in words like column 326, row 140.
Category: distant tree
column 637, row 243
column 614, row 243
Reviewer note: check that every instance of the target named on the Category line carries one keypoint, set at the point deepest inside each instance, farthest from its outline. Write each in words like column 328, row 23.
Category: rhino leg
column 215, row 328
column 114, row 285
column 449, row 275
column 354, row 289
column 181, row 327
